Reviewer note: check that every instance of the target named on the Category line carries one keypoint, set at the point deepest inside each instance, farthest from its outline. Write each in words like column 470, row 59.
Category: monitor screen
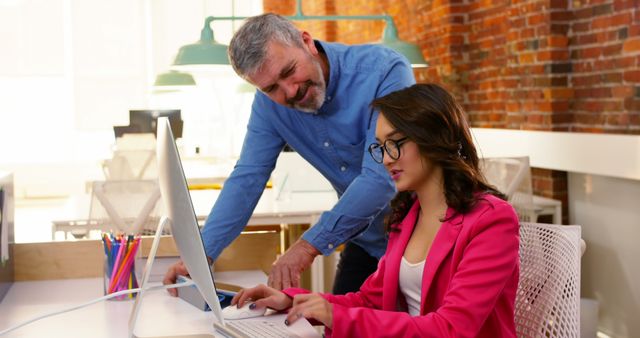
column 146, row 121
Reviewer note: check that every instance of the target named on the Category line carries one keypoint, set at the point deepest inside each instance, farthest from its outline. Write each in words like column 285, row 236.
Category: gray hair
column 248, row 46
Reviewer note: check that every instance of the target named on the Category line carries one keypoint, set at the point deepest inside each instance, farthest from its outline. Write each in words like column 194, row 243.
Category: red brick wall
column 555, row 65
column 605, row 53
column 323, row 30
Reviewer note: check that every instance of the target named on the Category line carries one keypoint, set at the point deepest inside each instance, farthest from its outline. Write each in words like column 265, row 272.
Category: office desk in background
column 548, row 206
column 292, row 208
column 291, row 211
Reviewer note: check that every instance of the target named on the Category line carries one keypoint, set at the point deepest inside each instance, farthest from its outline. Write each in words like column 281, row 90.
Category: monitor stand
column 135, row 312
column 164, row 221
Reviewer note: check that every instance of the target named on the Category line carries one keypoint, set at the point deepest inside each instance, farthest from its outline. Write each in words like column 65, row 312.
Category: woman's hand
column 263, row 296
column 311, row 306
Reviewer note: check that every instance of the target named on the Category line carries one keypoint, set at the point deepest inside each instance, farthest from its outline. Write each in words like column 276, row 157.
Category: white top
column 411, row 284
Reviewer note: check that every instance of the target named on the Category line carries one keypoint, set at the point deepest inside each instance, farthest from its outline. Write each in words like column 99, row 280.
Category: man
column 313, row 96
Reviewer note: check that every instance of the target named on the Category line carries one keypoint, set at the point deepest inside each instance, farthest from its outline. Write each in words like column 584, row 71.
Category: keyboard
column 253, row 328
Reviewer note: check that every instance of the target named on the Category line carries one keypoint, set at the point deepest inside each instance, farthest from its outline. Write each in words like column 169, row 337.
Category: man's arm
column 242, row 190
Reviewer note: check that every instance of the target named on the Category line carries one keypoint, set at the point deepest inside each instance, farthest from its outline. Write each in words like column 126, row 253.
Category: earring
column 460, row 151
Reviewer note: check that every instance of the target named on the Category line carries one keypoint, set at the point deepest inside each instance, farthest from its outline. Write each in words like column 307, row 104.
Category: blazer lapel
column 394, row 257
column 440, row 248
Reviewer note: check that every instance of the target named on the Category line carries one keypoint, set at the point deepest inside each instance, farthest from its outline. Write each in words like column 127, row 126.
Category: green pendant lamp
column 410, row 51
column 174, row 79
column 207, row 51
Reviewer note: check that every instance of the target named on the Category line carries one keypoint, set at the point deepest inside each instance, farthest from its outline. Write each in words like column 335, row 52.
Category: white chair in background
column 134, row 158
column 512, row 176
column 131, row 165
column 130, row 206
column 548, row 296
column 127, row 200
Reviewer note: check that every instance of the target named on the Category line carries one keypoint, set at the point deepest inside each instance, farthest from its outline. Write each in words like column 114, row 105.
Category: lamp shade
column 207, row 51
column 174, row 78
column 410, row 51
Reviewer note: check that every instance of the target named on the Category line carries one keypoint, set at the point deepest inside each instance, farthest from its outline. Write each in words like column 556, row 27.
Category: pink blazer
column 468, row 287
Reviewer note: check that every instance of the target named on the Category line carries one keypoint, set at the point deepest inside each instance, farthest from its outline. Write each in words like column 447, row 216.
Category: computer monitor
column 182, row 217
column 186, row 234
column 146, row 121
column 6, row 233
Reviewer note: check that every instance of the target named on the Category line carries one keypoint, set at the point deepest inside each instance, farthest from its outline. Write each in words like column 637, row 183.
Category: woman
column 451, row 265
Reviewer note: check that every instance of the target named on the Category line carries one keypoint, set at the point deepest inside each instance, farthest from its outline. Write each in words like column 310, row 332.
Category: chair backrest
column 548, row 298
column 512, row 176
column 129, row 206
column 131, row 165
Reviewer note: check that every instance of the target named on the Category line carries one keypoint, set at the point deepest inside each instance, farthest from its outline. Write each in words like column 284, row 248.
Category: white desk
column 548, row 206
column 28, row 299
column 542, row 206
column 161, row 314
column 297, row 208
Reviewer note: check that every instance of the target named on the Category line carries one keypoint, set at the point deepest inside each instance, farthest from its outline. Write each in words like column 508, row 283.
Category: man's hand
column 174, row 270
column 286, row 270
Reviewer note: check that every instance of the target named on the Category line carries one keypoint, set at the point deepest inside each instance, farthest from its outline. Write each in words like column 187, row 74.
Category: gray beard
column 318, row 101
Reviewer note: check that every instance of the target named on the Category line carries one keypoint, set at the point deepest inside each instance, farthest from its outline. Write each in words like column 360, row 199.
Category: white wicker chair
column 548, row 298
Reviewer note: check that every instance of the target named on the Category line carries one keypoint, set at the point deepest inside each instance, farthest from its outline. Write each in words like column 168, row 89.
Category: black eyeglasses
column 392, row 147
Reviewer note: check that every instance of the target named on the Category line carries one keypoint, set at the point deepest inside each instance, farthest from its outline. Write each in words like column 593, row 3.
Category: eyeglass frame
column 385, row 149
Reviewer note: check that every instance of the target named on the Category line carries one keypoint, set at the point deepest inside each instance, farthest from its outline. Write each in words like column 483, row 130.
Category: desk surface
column 291, row 208
column 28, row 299
column 161, row 314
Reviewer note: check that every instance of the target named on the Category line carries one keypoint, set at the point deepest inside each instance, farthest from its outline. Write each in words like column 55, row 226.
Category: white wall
column 611, row 155
column 609, row 211
column 604, row 198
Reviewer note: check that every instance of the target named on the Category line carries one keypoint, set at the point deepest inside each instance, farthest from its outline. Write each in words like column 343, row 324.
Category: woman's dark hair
column 430, row 116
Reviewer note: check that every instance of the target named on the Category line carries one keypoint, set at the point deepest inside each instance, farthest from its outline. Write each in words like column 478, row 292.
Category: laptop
column 182, row 219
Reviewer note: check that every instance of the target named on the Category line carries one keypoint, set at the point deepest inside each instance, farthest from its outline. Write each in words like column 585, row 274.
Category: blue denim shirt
column 334, row 140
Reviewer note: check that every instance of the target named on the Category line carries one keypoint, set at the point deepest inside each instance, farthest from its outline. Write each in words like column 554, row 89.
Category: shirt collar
column 325, row 48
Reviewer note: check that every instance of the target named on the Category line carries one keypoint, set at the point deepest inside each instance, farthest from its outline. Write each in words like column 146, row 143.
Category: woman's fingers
column 247, row 294
column 262, row 296
column 295, row 314
column 310, row 306
column 237, row 296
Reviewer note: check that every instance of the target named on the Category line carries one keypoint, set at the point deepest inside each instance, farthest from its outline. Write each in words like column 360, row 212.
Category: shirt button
column 326, row 143
column 343, row 168
column 330, row 246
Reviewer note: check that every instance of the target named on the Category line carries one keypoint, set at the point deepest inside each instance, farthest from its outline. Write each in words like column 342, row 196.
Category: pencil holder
column 120, row 254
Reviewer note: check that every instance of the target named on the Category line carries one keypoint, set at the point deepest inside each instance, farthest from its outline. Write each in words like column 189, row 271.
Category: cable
column 111, row 295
